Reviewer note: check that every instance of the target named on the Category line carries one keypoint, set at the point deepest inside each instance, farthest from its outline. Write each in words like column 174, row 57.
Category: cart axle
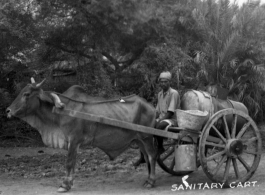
column 234, row 147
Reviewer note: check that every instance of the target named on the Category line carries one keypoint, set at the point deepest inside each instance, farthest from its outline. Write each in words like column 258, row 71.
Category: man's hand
column 157, row 114
column 168, row 115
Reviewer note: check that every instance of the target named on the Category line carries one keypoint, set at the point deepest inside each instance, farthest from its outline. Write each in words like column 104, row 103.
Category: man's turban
column 165, row 75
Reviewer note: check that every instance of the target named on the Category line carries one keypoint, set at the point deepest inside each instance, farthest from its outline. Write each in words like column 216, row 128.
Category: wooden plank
column 116, row 123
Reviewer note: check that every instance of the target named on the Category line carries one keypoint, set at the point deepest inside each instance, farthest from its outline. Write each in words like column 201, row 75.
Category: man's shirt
column 168, row 101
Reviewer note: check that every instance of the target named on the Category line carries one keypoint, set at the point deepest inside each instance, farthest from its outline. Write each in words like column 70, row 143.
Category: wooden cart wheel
column 230, row 152
column 166, row 160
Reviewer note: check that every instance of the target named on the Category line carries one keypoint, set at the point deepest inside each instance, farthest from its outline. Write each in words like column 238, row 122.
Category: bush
column 57, row 86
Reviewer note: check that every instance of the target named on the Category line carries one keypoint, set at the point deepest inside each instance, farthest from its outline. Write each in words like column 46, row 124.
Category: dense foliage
column 119, row 47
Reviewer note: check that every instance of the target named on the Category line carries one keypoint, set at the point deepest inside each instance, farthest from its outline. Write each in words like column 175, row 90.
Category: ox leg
column 70, row 169
column 152, row 155
column 149, row 152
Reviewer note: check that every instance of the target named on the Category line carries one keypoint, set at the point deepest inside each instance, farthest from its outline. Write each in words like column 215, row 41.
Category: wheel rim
column 166, row 160
column 235, row 154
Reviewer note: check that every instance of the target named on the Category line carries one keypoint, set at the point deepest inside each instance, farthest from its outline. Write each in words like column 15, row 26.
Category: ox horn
column 57, row 101
column 32, row 80
column 41, row 83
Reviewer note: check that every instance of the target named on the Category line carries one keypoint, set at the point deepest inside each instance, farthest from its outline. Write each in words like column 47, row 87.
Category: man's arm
column 173, row 105
column 157, row 107
column 168, row 115
column 174, row 102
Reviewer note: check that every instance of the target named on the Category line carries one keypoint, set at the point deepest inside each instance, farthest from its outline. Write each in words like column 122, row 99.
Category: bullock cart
column 226, row 151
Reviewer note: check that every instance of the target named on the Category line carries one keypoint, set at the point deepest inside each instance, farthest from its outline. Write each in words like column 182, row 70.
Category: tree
column 114, row 34
column 17, row 31
column 230, row 49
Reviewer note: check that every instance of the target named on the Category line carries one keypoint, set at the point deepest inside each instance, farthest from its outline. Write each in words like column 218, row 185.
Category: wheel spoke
column 234, row 150
column 227, row 167
column 250, row 152
column 219, row 165
column 215, row 155
column 219, row 134
column 172, row 164
column 248, row 141
column 214, row 144
column 243, row 130
column 167, row 155
column 227, row 133
column 233, row 134
column 235, row 167
column 244, row 163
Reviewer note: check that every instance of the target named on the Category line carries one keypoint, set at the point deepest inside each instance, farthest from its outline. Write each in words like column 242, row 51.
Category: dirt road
column 107, row 179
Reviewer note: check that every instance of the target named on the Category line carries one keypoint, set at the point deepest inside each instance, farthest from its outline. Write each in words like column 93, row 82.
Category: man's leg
column 161, row 126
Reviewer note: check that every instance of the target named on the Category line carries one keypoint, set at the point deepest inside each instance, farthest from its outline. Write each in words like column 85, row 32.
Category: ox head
column 28, row 100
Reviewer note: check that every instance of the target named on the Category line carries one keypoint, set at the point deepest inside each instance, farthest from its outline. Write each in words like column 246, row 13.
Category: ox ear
column 46, row 97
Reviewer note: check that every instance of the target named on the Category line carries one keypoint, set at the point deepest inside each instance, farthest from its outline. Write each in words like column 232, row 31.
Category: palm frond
column 248, row 62
column 252, row 104
column 253, row 4
column 226, row 15
column 229, row 47
column 242, row 89
column 233, row 63
column 202, row 24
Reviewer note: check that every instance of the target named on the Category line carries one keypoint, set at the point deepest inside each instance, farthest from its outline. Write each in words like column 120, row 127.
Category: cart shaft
column 116, row 123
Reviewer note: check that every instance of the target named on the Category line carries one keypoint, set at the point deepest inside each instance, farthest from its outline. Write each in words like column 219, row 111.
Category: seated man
column 168, row 102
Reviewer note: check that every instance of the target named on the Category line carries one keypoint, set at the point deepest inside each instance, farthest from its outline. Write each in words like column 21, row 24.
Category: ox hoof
column 63, row 189
column 149, row 184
